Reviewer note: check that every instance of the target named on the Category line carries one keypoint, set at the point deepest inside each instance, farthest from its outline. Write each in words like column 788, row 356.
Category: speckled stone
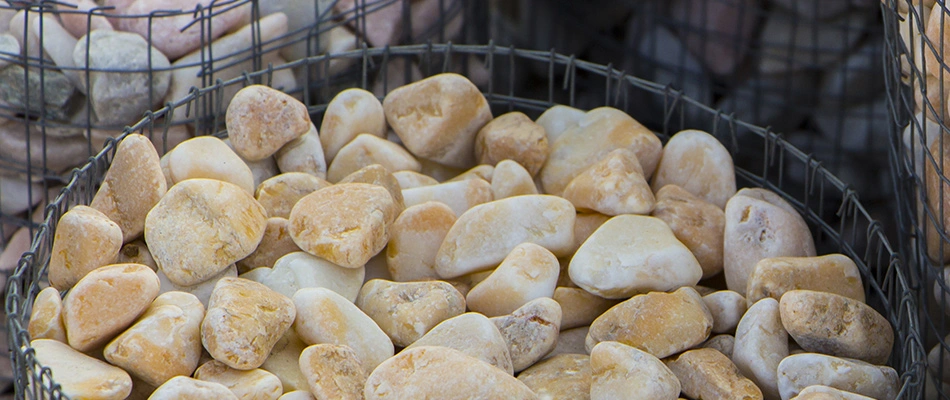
column 832, row 273
column 709, row 374
column 275, row 244
column 565, row 376
column 799, row 371
column 472, row 334
column 279, row 194
column 132, row 186
column 531, row 331
column 333, row 372
column 614, row 185
column 261, row 120
column 618, row 369
column 406, row 311
column 254, row 384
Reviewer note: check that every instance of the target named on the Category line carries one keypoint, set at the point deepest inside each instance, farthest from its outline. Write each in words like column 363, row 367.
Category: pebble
column 438, row 171
column 571, row 341
column 77, row 22
column 437, row 118
column 529, row 272
column 614, row 185
column 721, row 343
column 175, row 42
column 800, row 371
column 836, row 325
column 251, row 384
column 709, row 374
column 58, row 44
column 726, row 307
column 346, row 224
column 22, row 91
column 326, row 317
column 283, row 361
column 376, row 174
column 133, row 185
column 832, row 273
column 296, row 395
column 121, row 97
column 414, row 241
column 484, row 235
column 631, row 254
column 163, row 343
column 698, row 224
column 459, row 195
column 350, row 113
column 105, row 302
column 201, row 290
column 760, row 345
column 275, row 244
column 697, row 162
column 565, row 376
column 190, row 238
column 207, row 157
column 406, row 311
column 261, row 120
column 303, row 154
column 579, row 307
column 558, row 119
column 46, row 319
column 530, row 331
column 621, row 370
column 81, row 376
column 299, row 270
column 474, row 335
column 279, row 194
column 366, row 150
column 441, row 372
column 244, row 321
column 333, row 372
column 413, row 179
column 481, row 171
column 85, row 239
column 512, row 136
column 510, row 179
column 186, row 388
column 659, row 323
column 601, row 131
column 821, row 392
column 760, row 224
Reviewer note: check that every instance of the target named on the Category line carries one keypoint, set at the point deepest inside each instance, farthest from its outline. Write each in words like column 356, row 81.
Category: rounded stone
column 414, row 241
column 275, row 244
column 620, row 369
column 510, row 179
column 300, row 270
column 709, row 374
column 565, row 376
column 459, row 195
column 472, row 334
column 333, row 372
column 726, row 307
column 85, row 239
column 201, row 290
column 529, row 272
column 279, row 194
column 512, row 136
column 821, row 392
column 376, row 174
column 80, row 376
column 406, row 311
column 366, row 150
column 210, row 158
column 721, row 343
column 832, row 273
column 284, row 361
column 761, row 343
column 133, row 185
column 614, row 185
column 261, row 120
column 558, row 119
column 697, row 162
column 481, row 171
column 579, row 307
column 46, row 319
column 799, row 371
column 412, row 179
column 531, row 331
column 350, row 113
column 186, row 388
column 245, row 384
column 699, row 225
column 304, row 155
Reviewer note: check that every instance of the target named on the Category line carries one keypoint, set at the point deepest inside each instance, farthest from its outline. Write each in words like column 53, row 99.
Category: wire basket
column 854, row 233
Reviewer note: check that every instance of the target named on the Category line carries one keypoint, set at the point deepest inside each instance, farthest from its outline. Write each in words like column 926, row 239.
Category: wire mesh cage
column 851, row 231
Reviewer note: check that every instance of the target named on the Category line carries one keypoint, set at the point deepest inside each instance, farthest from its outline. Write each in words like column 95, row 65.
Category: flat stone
column 245, row 384
column 579, row 307
column 378, row 175
column 303, row 154
column 186, row 388
column 414, row 241
column 614, row 185
column 176, row 42
column 333, row 371
column 459, row 195
column 698, row 224
column 617, row 368
column 365, row 150
column 512, row 136
column 201, row 290
column 350, row 113
column 510, row 179
column 413, row 179
column 279, row 194
column 530, row 331
column 133, row 185
column 299, row 270
column 565, row 376
column 799, row 371
column 284, row 362
column 721, row 343
column 207, row 157
column 529, row 272
column 709, row 374
column 406, row 311
column 46, row 319
column 821, row 392
column 275, row 244
column 761, row 343
column 261, row 120
column 474, row 335
column 726, row 307
column 832, row 273
column 85, row 239
column 556, row 120
column 81, row 376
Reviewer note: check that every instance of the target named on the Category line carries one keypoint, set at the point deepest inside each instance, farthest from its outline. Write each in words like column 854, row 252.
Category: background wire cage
column 854, row 233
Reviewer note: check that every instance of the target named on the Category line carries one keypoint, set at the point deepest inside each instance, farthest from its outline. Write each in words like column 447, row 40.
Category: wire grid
column 854, row 233
column 29, row 156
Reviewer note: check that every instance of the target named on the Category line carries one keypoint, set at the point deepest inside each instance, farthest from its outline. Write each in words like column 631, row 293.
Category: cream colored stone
column 333, row 372
column 326, row 317
column 459, row 195
column 296, row 395
column 631, row 254
column 832, row 273
column 85, row 239
column 440, row 372
column 244, row 321
column 261, row 120
column 186, row 388
column 376, row 174
column 136, row 252
column 346, row 224
column 601, row 131
column 614, row 185
column 699, row 225
column 721, row 343
column 210, row 158
column 579, row 307
column 105, row 302
column 709, row 374
column 484, row 235
column 697, row 162
column 821, row 392
column 530, row 331
column 512, row 136
column 726, row 307
column 46, row 319
column 252, row 384
column 80, row 376
column 585, row 224
column 132, row 186
column 565, row 376
column 621, row 370
column 556, row 120
column 201, row 227
column 304, row 154
column 660, row 323
column 299, row 270
column 571, row 341
column 800, row 371
column 438, row 118
column 283, row 361
column 367, row 149
column 350, row 113
column 406, row 311
column 836, row 325
column 414, row 241
column 511, row 179
column 413, row 179
column 528, row 272
column 279, row 194
column 202, row 290
column 760, row 224
column 760, row 345
column 484, row 172
column 472, row 334
column 439, row 172
column 275, row 244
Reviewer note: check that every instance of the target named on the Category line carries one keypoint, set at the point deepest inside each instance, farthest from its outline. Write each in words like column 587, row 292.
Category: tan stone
column 438, row 118
column 511, row 179
column 697, row 162
column 621, row 370
column 414, row 241
column 279, row 194
column 699, row 225
column 556, row 120
column 186, row 388
column 85, row 239
column 406, row 311
column 565, row 376
column 244, row 321
column 333, row 372
column 512, row 136
column 726, row 307
column 571, row 341
column 709, row 374
column 439, row 172
column 483, row 171
column 136, row 252
column 413, row 179
column 484, row 235
column 660, row 323
column 46, row 319
column 760, row 345
column 253, row 384
column 132, row 186
column 202, row 290
column 721, row 343
column 472, row 334
column 346, row 224
column 832, row 273
column 579, row 307
column 326, row 317
column 376, row 174
column 275, row 244
column 458, row 195
column 614, row 185
column 440, row 372
column 296, row 395
column 528, row 272
column 206, row 157
column 367, row 149
column 80, row 376
column 201, row 227
column 261, row 120
column 530, row 331
column 304, row 154
column 299, row 270
column 631, row 254
column 105, row 302
column 800, row 371
column 261, row 170
column 585, row 224
column 283, row 361
column 821, row 392
column 350, row 113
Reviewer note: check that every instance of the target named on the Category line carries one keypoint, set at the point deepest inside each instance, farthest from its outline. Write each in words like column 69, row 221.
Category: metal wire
column 855, row 234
